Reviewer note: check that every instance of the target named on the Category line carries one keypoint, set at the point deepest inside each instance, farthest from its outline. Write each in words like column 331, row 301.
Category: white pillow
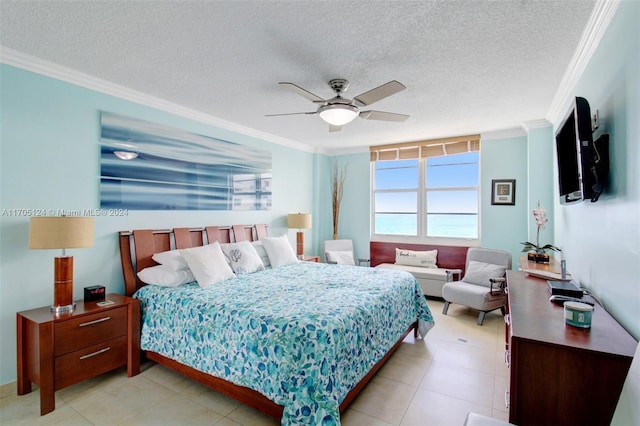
column 208, row 264
column 171, row 259
column 242, row 257
column 261, row 252
column 480, row 273
column 341, row 257
column 279, row 251
column 426, row 259
column 165, row 276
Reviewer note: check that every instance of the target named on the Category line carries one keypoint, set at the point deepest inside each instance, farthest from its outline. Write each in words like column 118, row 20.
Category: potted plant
column 536, row 252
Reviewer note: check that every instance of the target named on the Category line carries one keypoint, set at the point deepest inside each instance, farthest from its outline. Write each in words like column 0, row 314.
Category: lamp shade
column 299, row 221
column 60, row 232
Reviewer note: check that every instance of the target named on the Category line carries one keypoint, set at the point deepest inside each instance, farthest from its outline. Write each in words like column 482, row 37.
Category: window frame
column 421, row 224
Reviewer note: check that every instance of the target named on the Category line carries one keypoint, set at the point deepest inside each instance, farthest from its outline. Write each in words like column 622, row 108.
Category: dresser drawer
column 89, row 330
column 89, row 362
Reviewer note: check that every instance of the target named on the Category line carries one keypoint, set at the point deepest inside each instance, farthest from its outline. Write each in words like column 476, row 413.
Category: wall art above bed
column 148, row 166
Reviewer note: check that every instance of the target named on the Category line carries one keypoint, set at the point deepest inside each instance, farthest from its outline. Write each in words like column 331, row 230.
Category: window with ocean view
column 432, row 197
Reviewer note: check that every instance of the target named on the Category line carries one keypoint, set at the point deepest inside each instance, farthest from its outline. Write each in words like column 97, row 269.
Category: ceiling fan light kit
column 339, row 111
column 338, row 115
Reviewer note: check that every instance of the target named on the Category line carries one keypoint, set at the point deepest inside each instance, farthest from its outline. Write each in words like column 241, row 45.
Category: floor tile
column 405, row 369
column 462, row 355
column 462, row 383
column 384, row 399
column 355, row 418
column 433, row 408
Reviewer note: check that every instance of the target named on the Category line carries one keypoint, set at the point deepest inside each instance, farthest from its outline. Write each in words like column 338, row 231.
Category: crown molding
column 331, row 152
column 50, row 69
column 597, row 25
column 515, row 132
column 536, row 124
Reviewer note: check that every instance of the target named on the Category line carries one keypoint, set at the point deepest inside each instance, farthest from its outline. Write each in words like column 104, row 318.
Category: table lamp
column 299, row 221
column 61, row 232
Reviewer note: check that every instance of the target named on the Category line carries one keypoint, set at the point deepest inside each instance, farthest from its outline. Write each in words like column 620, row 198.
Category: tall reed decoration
column 337, row 188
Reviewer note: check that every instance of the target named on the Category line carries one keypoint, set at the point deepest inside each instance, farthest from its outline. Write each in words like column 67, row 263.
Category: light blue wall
column 49, row 159
column 540, row 166
column 504, row 226
column 601, row 240
column 355, row 214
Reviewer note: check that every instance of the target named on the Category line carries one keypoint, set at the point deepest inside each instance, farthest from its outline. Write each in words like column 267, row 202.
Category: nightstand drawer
column 88, row 362
column 89, row 330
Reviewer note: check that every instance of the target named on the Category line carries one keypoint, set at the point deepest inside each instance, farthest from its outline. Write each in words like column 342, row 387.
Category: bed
column 298, row 341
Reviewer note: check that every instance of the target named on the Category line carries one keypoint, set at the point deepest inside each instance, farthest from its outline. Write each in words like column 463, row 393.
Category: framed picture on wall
column 503, row 192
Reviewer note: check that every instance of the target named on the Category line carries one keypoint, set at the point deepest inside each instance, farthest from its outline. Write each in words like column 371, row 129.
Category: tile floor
column 458, row 368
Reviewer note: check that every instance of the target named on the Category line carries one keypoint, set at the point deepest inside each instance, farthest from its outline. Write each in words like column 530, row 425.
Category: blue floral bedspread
column 303, row 335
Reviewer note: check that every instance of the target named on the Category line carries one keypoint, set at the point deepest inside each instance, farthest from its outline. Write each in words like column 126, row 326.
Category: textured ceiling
column 469, row 66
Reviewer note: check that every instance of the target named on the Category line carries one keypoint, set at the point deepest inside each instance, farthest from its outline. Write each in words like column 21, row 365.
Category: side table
column 58, row 350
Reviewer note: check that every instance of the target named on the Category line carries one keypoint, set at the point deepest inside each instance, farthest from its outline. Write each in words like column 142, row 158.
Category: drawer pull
column 506, row 398
column 84, row 324
column 101, row 351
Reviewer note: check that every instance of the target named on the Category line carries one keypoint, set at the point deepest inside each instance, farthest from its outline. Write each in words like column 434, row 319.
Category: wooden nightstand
column 55, row 351
column 311, row 258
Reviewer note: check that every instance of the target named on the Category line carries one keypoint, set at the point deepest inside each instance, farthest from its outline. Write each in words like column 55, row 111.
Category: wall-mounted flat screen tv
column 581, row 167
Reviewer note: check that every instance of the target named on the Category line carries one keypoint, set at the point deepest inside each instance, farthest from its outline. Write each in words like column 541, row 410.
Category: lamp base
column 63, row 285
column 300, row 244
column 63, row 309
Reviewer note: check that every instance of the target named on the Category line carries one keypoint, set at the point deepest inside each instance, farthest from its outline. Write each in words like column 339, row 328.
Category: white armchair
column 482, row 286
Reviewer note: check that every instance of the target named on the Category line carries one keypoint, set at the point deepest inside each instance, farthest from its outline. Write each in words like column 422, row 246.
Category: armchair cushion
column 340, row 257
column 481, row 273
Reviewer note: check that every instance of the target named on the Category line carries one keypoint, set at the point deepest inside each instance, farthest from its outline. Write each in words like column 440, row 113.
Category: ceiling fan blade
column 380, row 92
column 383, row 116
column 333, row 128
column 302, row 92
column 292, row 113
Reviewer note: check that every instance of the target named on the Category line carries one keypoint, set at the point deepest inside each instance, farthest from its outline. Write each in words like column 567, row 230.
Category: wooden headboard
column 137, row 246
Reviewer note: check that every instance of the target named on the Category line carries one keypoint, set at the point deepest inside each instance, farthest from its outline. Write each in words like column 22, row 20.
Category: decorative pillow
column 426, row 259
column 171, row 259
column 165, row 276
column 261, row 252
column 480, row 273
column 341, row 257
column 242, row 257
column 279, row 251
column 208, row 264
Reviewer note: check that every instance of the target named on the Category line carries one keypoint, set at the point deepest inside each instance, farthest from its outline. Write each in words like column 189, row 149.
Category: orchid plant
column 541, row 219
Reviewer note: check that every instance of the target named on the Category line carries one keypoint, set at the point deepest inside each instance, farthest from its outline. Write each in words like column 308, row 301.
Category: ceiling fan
column 339, row 111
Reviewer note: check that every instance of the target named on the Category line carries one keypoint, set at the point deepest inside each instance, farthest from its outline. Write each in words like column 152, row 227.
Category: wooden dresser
column 559, row 374
column 58, row 350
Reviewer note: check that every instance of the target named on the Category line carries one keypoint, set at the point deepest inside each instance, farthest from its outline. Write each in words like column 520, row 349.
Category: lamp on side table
column 61, row 232
column 299, row 221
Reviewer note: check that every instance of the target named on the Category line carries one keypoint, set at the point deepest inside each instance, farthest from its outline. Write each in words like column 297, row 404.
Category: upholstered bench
column 385, row 255
column 431, row 279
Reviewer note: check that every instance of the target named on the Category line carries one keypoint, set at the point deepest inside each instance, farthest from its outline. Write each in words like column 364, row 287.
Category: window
column 429, row 191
